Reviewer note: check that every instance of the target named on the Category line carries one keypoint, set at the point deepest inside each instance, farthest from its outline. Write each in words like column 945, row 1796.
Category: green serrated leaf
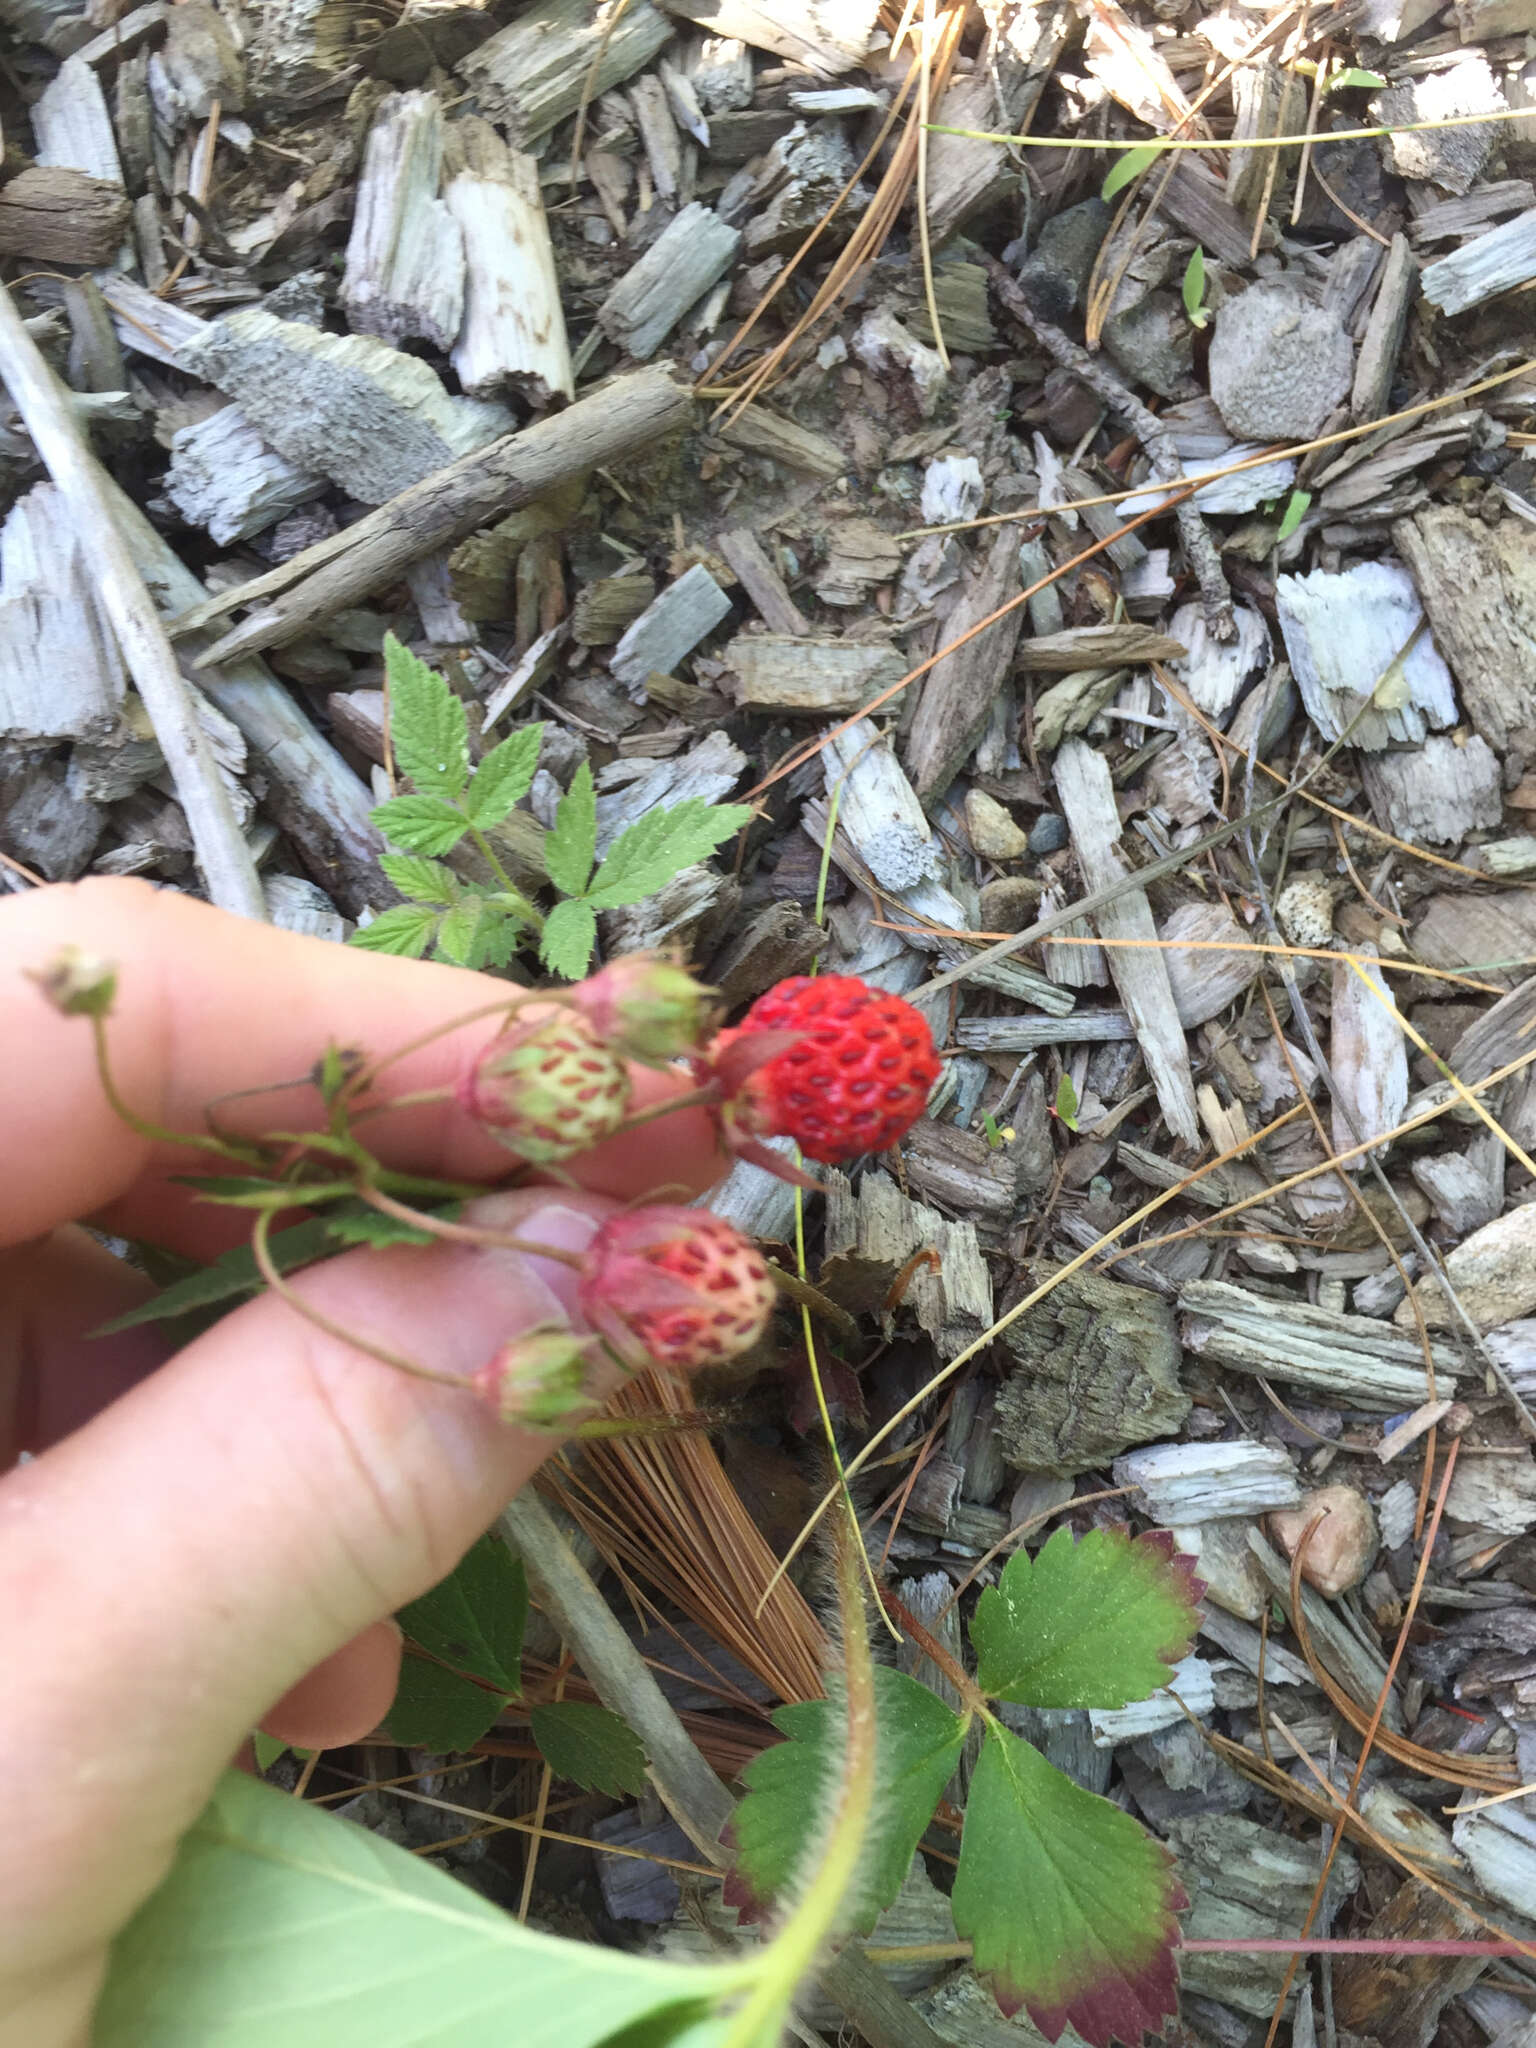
column 405, row 928
column 1066, row 1102
column 428, row 728
column 466, row 934
column 1097, row 1622
column 1295, row 511
column 566, row 942
column 473, row 1620
column 503, row 777
column 589, row 1746
column 1353, row 76
column 421, row 824
column 359, row 1224
column 228, row 1953
column 427, row 881
column 659, row 846
column 918, row 1743
column 569, row 849
column 231, row 1277
column 440, row 1710
column 1194, row 286
column 1067, row 1901
column 1131, row 165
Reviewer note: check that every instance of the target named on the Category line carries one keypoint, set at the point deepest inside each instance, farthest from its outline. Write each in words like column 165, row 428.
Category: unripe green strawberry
column 548, row 1090
column 647, row 1006
column 538, row 1380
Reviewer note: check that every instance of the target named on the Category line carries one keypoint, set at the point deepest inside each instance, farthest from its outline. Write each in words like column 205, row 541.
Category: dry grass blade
column 663, row 1509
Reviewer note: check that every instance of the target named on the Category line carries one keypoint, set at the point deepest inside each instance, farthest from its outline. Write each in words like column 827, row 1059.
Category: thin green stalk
column 791, row 1955
column 487, row 853
column 158, row 1134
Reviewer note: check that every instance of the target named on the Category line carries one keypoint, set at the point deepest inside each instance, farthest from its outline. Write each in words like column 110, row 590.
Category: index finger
column 209, row 1005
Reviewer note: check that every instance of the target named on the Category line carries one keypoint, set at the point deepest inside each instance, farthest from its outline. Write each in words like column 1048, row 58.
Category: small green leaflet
column 439, row 1710
column 569, row 849
column 1067, row 1901
column 428, row 728
column 659, row 846
column 1295, row 511
column 1129, row 166
column 1344, row 81
column 503, row 778
column 266, row 1749
column 474, row 1619
column 230, row 1950
column 1194, row 288
column 479, row 931
column 421, row 824
column 427, row 880
column 405, row 928
column 359, row 1224
column 918, row 1743
column 1096, row 1622
column 566, row 942
column 589, row 1746
column 1066, row 1102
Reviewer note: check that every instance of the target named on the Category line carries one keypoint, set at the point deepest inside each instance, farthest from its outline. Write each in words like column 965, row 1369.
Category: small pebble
column 1048, row 834
column 1304, row 910
column 994, row 835
column 1344, row 1544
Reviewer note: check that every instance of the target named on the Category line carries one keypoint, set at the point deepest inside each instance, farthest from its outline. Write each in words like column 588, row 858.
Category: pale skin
column 215, row 1540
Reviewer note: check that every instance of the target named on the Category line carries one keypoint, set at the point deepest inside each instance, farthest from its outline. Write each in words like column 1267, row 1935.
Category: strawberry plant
column 1067, row 1903
column 476, row 923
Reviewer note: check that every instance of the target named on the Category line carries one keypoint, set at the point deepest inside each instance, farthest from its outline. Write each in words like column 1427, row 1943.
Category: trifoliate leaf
column 439, row 1710
column 503, row 777
column 427, row 881
column 659, row 846
column 566, row 942
column 1097, row 1622
column 1067, row 1901
column 589, row 1746
column 1129, row 166
column 421, row 824
column 428, row 729
column 474, row 1619
column 405, row 928
column 1295, row 511
column 918, row 1742
column 570, row 847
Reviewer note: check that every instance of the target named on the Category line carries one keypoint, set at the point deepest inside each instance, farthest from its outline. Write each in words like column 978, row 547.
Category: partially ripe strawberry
column 848, row 1069
column 647, row 1006
column 679, row 1284
column 548, row 1090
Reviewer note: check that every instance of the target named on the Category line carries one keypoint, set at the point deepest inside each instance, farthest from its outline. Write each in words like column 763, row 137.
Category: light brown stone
column 1342, row 1546
column 1493, row 1272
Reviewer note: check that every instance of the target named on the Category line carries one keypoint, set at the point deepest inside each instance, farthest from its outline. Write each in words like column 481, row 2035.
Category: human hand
column 216, row 1540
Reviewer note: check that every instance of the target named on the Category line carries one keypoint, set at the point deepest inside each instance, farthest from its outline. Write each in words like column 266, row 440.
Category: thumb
column 174, row 1567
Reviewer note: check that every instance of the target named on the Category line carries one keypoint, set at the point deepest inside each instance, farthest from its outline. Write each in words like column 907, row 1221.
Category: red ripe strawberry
column 679, row 1284
column 848, row 1068
column 547, row 1090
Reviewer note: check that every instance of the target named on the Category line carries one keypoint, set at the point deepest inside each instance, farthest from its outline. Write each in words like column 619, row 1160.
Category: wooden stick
column 222, row 854
column 628, row 413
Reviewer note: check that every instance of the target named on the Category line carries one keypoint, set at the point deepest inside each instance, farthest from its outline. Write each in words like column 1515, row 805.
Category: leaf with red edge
column 1067, row 1901
column 1097, row 1622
